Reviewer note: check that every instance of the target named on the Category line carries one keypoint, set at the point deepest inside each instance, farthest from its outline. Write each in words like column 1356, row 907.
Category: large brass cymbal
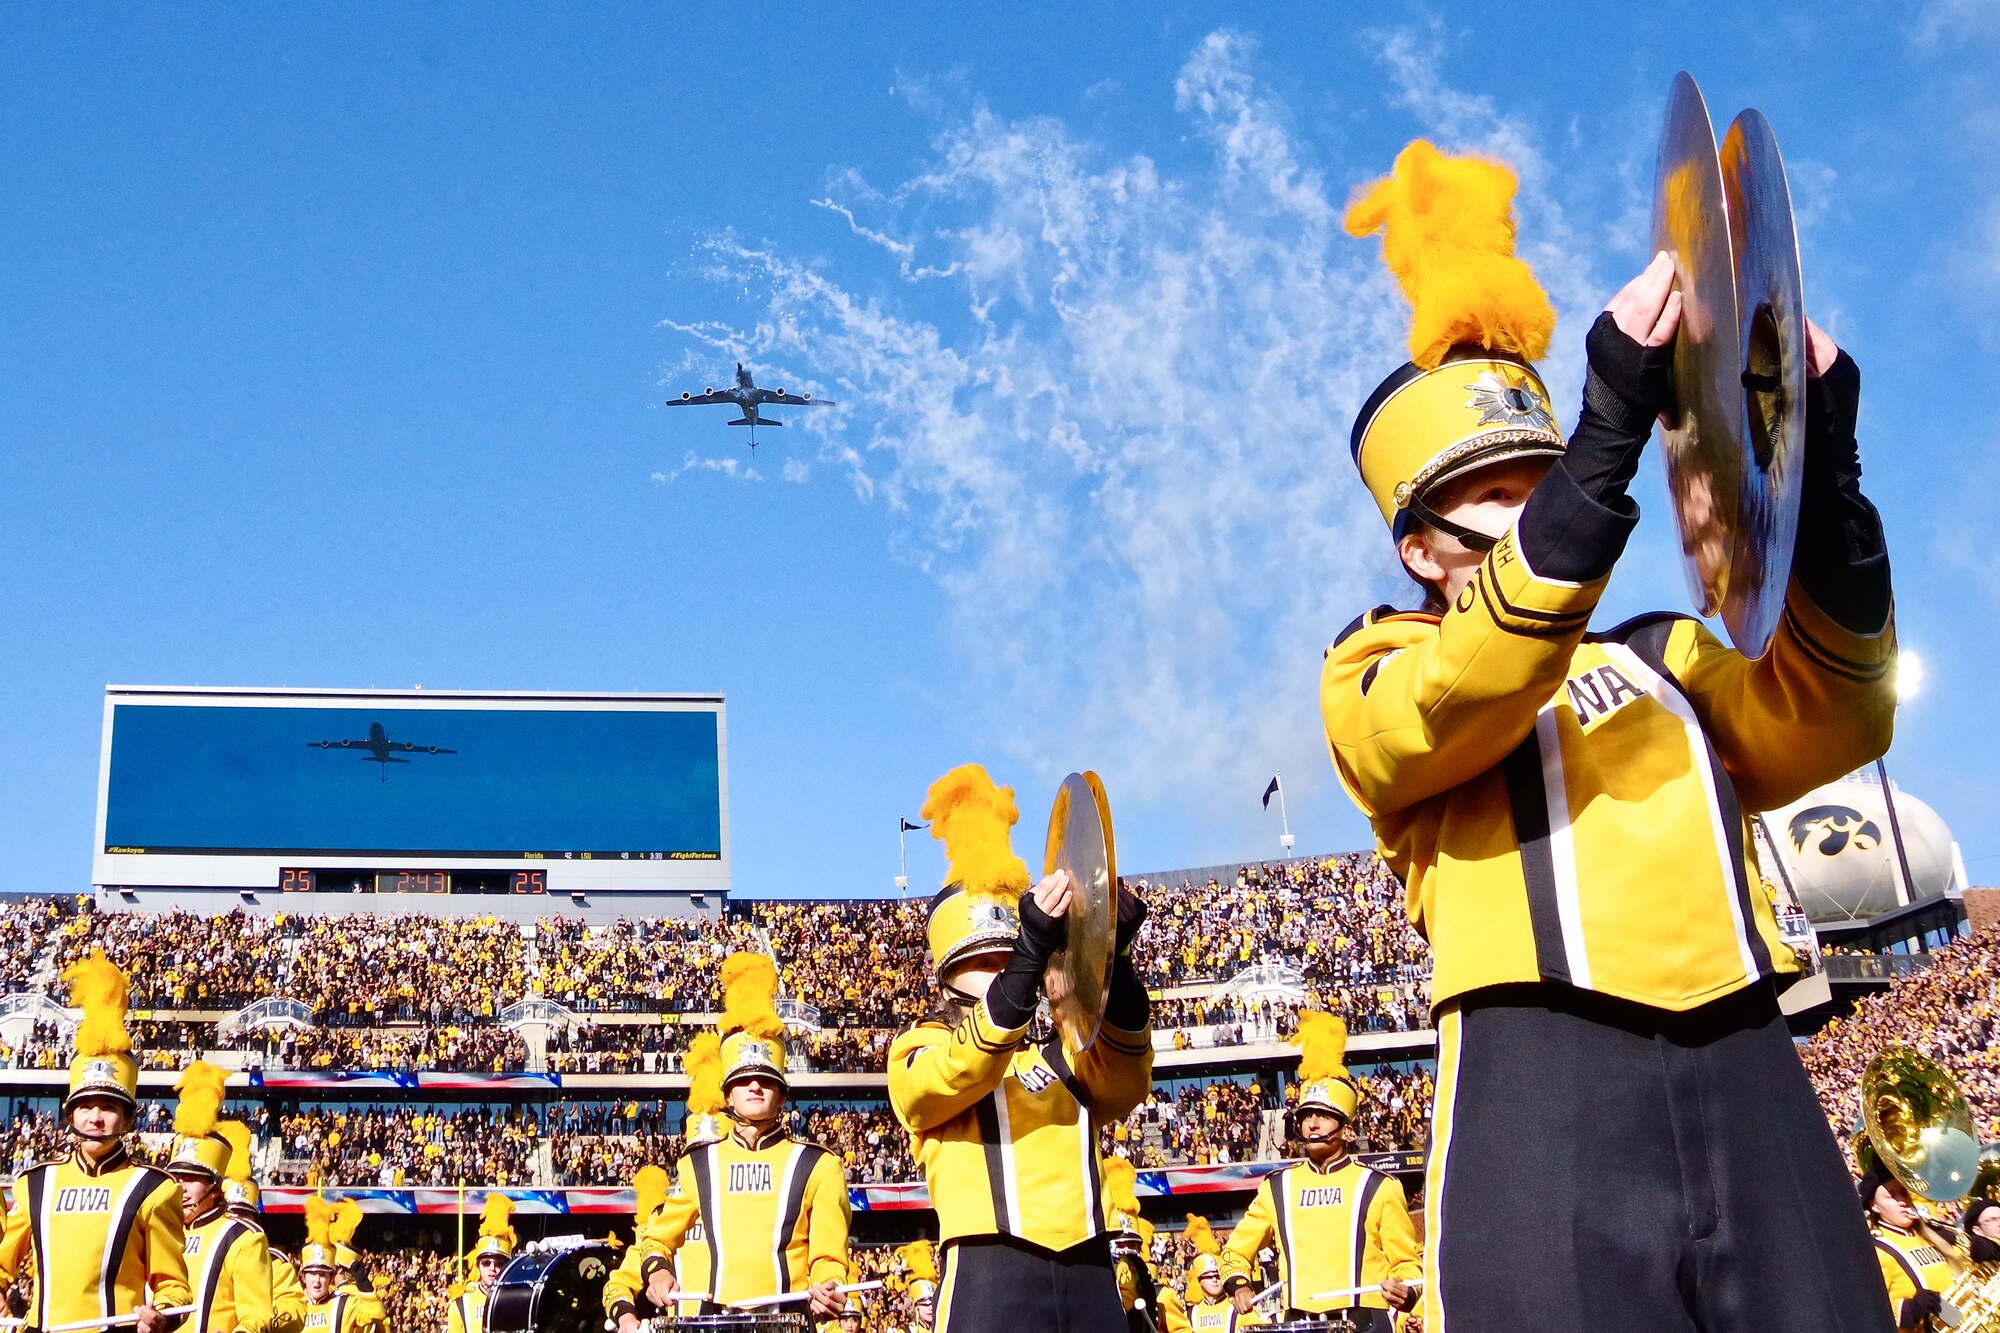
column 1080, row 843
column 1735, row 440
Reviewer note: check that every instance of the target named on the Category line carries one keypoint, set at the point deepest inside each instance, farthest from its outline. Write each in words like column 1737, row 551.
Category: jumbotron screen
column 623, row 791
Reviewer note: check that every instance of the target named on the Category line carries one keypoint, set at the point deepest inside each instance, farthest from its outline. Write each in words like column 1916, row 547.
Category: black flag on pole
column 1269, row 792
column 908, row 827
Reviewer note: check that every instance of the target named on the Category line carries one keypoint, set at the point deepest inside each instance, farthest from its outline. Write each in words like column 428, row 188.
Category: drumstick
column 109, row 1321
column 1358, row 1291
column 1267, row 1293
column 844, row 1289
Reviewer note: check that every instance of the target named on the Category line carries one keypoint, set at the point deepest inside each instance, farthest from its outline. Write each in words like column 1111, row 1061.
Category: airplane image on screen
column 381, row 750
column 746, row 397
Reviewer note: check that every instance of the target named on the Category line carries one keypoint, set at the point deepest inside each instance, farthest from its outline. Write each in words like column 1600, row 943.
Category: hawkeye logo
column 1322, row 1196
column 749, row 1177
column 84, row 1199
column 1035, row 1078
column 193, row 1246
column 1832, row 829
column 1597, row 694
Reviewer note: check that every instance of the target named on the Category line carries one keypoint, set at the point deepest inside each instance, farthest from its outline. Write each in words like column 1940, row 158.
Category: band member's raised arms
column 1570, row 810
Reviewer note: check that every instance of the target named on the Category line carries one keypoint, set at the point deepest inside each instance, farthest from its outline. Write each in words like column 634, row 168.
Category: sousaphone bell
column 1735, row 437
column 1080, row 843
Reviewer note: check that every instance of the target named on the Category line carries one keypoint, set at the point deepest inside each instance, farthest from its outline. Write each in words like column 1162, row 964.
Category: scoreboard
column 412, row 792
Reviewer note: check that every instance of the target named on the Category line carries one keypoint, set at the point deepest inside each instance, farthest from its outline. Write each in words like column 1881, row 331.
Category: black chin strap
column 1466, row 537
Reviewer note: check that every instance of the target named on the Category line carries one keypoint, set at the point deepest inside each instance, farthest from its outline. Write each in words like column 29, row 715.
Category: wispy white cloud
column 1939, row 22
column 1109, row 404
column 735, row 469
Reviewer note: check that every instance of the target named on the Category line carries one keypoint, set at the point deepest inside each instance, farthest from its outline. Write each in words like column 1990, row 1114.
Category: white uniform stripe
column 45, row 1242
column 1009, row 1186
column 1355, row 1224
column 1086, row 1138
column 106, row 1278
column 1562, row 849
column 1671, row 699
column 1445, row 1095
column 780, row 1241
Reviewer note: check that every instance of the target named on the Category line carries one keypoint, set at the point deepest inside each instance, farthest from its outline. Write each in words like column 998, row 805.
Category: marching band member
column 694, row 1265
column 330, row 1307
column 1914, row 1270
column 918, row 1284
column 1569, row 811
column 754, row 1185
column 1982, row 1231
column 489, row 1256
column 240, row 1197
column 105, row 1233
column 1138, row 1288
column 229, row 1264
column 1206, row 1308
column 1335, row 1223
column 1006, row 1130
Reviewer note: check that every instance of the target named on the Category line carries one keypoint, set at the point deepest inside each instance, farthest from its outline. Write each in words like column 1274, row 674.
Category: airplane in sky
column 746, row 397
column 381, row 750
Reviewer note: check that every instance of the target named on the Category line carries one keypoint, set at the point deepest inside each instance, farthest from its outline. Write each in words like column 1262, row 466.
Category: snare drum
column 552, row 1291
column 757, row 1321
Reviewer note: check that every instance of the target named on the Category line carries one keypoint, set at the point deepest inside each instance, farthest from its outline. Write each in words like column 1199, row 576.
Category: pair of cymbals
column 1735, row 437
column 1080, row 843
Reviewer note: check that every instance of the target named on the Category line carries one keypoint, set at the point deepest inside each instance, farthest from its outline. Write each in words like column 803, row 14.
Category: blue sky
column 333, row 341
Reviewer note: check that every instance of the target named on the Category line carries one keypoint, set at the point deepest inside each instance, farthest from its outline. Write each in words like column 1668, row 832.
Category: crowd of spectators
column 862, row 963
column 1199, row 1124
column 413, row 1283
column 651, row 964
column 485, row 1050
column 183, row 960
column 26, row 925
column 406, row 1146
column 617, row 1048
column 1950, row 1011
column 871, row 1145
column 1339, row 920
column 363, row 971
column 1225, row 1020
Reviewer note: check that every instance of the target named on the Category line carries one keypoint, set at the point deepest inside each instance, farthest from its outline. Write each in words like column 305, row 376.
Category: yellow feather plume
column 973, row 819
column 494, row 1218
column 1121, row 1186
column 200, row 1089
column 1201, row 1235
column 649, row 1189
column 97, row 987
column 240, row 1150
column 346, row 1221
column 1447, row 227
column 919, row 1264
column 1322, row 1043
column 319, row 1220
column 749, row 996
column 704, row 1070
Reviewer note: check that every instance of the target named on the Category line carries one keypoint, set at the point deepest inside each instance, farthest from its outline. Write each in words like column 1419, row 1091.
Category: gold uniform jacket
column 288, row 1294
column 346, row 1311
column 1207, row 1316
column 229, row 1265
column 1910, row 1264
column 1347, row 1226
column 1006, row 1133
column 1574, row 807
column 468, row 1309
column 102, row 1237
column 776, row 1218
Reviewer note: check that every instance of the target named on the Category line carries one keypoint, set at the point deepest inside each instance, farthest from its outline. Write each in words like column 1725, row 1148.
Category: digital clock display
column 324, row 880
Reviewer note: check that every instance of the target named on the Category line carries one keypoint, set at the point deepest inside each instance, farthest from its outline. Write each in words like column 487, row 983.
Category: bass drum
column 552, row 1291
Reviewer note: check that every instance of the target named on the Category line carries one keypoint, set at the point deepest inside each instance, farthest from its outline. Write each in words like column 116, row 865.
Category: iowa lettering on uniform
column 1322, row 1196
column 749, row 1177
column 84, row 1199
column 1599, row 693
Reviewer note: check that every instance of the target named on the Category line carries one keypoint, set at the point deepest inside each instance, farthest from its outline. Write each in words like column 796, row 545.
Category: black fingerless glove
column 1575, row 525
column 1011, row 999
column 1924, row 1305
column 1841, row 558
column 1128, row 927
column 1127, row 1007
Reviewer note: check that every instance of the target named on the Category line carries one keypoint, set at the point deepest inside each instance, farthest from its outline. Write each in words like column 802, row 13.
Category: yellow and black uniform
column 229, row 1265
column 1569, row 813
column 468, row 1308
column 1208, row 1316
column 288, row 1294
column 775, row 1213
column 1006, row 1130
column 346, row 1310
column 1343, row 1226
column 106, row 1237
column 1911, row 1265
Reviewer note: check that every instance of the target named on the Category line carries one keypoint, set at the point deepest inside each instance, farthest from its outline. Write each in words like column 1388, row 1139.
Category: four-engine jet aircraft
column 381, row 750
column 746, row 397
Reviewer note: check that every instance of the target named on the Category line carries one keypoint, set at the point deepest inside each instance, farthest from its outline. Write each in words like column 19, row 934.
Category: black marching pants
column 1597, row 1165
column 996, row 1284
